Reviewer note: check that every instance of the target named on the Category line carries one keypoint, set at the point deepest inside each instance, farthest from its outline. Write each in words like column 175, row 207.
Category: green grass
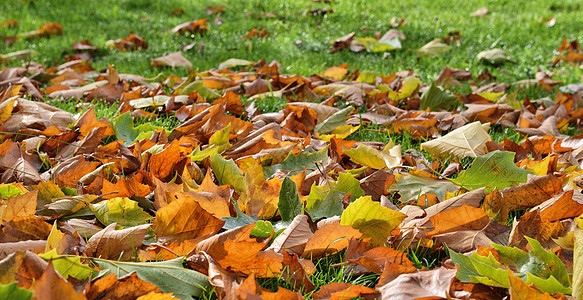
column 512, row 25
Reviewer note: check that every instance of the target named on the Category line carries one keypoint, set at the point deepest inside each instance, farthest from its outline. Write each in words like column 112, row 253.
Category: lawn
column 299, row 37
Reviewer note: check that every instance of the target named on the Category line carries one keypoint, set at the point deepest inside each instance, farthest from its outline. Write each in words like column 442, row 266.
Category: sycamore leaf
column 494, row 57
column 336, row 120
column 170, row 276
column 371, row 219
column 410, row 85
column 69, row 265
column 227, row 172
column 468, row 140
column 51, row 285
column 495, row 170
column 262, row 195
column 242, row 219
column 435, row 99
column 411, row 185
column 234, row 62
column 123, row 126
column 433, row 48
column 519, row 290
column 290, row 205
column 110, row 243
column 122, row 211
column 539, row 267
column 262, row 229
column 578, row 264
column 127, row 287
column 13, row 292
column 326, row 201
column 198, row 86
column 172, row 60
column 373, row 45
column 389, row 157
column 297, row 162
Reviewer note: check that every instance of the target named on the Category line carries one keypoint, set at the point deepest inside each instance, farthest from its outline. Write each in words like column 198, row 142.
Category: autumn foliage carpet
column 238, row 202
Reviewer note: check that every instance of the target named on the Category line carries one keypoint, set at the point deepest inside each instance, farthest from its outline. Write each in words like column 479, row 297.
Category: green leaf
column 371, row 219
column 323, row 202
column 368, row 76
column 262, row 229
column 218, row 143
column 326, row 201
column 69, row 265
column 198, row 86
column 495, row 170
column 123, row 126
column 119, row 210
column 537, row 266
column 411, row 186
column 297, row 162
column 8, row 191
column 435, row 99
column 227, row 172
column 170, row 276
column 336, row 120
column 290, row 205
column 374, row 45
column 433, row 48
column 11, row 291
column 69, row 191
column 242, row 219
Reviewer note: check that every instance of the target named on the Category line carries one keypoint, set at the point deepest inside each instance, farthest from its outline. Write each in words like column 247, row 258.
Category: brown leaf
column 116, row 244
column 184, row 218
column 173, row 60
column 254, row 33
column 233, row 248
column 52, row 286
column 34, row 246
column 127, row 287
column 196, row 26
column 420, row 284
column 83, row 45
column 22, row 229
column 295, row 274
column 71, row 170
column 294, row 238
column 131, row 43
column 536, row 190
column 393, row 270
column 531, row 225
column 22, row 266
column 377, row 183
column 343, row 290
column 480, row 12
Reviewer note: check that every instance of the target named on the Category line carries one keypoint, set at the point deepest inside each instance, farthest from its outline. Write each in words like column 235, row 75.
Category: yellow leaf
column 54, row 239
column 372, row 219
column 491, row 95
column 410, row 85
column 262, row 196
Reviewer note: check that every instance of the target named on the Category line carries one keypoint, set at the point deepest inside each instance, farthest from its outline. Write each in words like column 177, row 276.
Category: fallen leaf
column 173, row 60
column 115, row 244
column 126, row 287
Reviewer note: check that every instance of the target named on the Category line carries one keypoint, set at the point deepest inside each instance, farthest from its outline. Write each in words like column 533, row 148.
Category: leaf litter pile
column 97, row 208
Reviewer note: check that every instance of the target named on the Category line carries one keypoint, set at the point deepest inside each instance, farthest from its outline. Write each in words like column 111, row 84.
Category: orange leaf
column 184, row 219
column 329, row 239
column 52, row 286
column 343, row 290
column 126, row 287
column 262, row 196
column 450, row 221
column 19, row 206
column 519, row 290
column 171, row 159
column 562, row 208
